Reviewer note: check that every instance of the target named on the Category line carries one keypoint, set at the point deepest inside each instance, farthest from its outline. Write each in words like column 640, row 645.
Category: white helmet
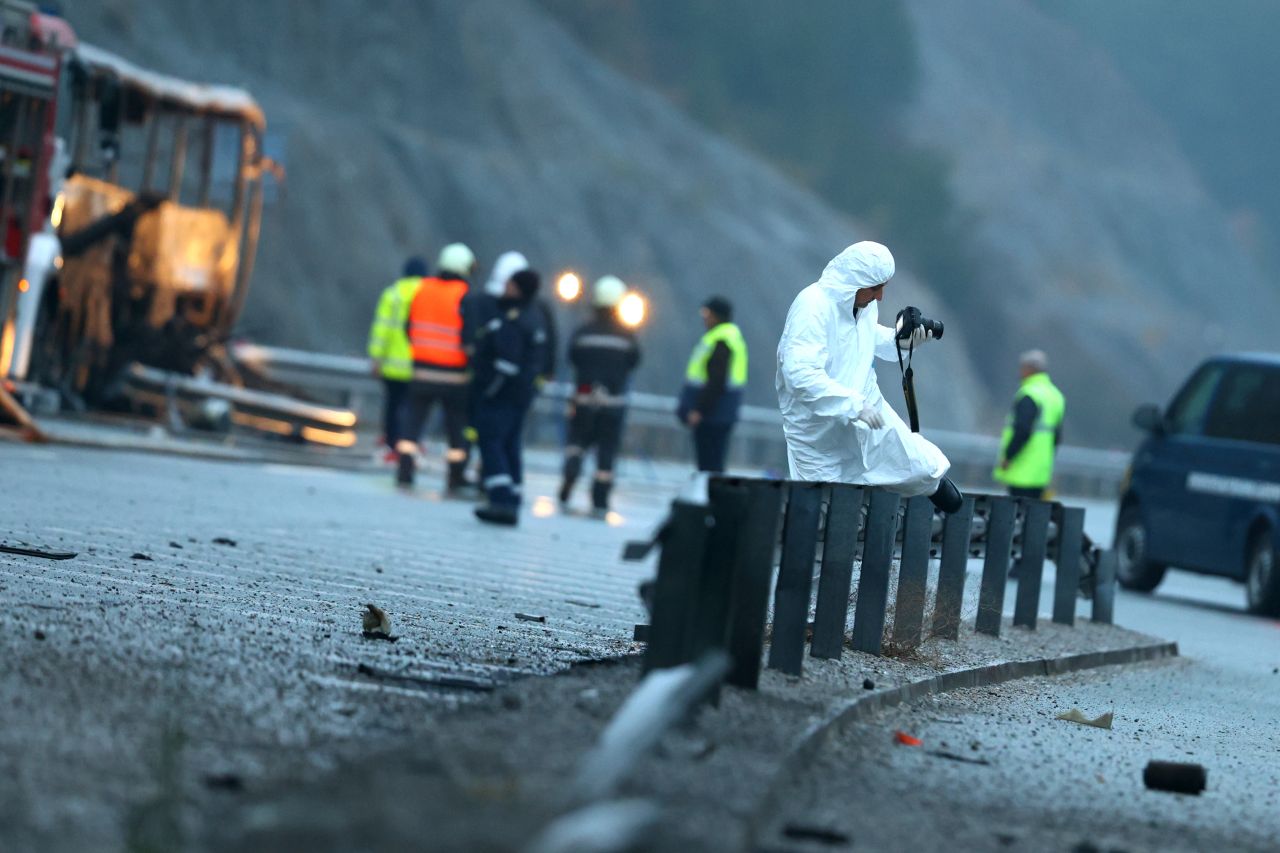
column 608, row 292
column 457, row 258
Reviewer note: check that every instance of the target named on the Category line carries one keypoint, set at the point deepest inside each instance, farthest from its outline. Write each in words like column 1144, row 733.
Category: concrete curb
column 818, row 734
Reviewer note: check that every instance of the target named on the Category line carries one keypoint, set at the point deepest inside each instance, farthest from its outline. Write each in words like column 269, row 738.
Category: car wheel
column 1133, row 569
column 1262, row 582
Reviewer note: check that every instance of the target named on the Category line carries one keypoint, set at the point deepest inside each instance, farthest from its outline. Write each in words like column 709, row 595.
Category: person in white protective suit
column 838, row 426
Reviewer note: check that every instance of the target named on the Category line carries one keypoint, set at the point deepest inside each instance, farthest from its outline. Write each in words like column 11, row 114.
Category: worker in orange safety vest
column 440, row 370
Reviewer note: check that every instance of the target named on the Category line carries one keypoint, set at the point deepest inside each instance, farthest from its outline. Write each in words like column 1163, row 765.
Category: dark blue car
column 1203, row 490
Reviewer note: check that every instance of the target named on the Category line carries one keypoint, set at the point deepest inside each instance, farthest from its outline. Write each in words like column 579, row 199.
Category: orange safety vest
column 435, row 323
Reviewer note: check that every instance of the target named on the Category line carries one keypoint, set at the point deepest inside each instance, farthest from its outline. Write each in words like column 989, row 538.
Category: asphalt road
column 1055, row 785
column 209, row 628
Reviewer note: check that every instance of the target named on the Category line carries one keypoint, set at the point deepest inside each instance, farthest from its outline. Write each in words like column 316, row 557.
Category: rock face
column 409, row 125
column 1096, row 241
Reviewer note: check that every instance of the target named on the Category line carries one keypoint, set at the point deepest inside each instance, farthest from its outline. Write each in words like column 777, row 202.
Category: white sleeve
column 802, row 359
column 886, row 347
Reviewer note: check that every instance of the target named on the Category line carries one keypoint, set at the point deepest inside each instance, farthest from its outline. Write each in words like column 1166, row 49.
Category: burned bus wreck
column 132, row 203
column 155, row 212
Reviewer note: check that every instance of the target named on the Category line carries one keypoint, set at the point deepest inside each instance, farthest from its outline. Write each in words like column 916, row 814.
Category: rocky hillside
column 407, row 125
column 1095, row 239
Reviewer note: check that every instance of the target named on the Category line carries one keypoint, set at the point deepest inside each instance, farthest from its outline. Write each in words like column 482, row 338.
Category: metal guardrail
column 652, row 430
column 718, row 558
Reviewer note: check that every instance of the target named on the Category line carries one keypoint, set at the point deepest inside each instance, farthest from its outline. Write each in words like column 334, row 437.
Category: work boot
column 405, row 470
column 600, row 498
column 572, row 468
column 498, row 514
column 947, row 497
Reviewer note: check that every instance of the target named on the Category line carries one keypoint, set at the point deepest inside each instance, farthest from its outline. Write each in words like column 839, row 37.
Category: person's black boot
column 498, row 514
column 600, row 498
column 405, row 470
column 572, row 468
column 947, row 497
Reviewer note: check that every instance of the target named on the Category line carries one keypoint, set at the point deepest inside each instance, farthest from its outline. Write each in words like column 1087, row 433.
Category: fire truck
column 130, row 206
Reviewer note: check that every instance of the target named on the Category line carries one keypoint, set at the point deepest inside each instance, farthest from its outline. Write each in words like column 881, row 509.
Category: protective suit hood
column 864, row 264
column 507, row 265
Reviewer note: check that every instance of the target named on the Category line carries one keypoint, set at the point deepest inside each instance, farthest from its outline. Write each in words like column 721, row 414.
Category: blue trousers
column 394, row 393
column 711, row 446
column 500, row 427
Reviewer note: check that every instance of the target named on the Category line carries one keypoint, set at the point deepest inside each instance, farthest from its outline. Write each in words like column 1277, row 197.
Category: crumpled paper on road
column 1075, row 716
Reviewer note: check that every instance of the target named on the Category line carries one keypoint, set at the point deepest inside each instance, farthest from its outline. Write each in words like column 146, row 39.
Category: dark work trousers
column 1027, row 492
column 711, row 446
column 453, row 399
column 598, row 427
column 393, row 397
column 500, row 427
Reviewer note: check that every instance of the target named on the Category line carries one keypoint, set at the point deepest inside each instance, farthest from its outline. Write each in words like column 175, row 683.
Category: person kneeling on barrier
column 838, row 426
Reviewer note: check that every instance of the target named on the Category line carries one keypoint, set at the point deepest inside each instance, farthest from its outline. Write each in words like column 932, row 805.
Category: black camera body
column 910, row 319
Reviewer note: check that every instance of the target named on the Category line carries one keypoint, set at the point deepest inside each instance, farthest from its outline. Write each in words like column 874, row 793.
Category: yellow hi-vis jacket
column 1033, row 466
column 388, row 339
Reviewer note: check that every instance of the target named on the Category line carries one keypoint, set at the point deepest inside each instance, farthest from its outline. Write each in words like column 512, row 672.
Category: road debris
column 526, row 617
column 377, row 625
column 963, row 759
column 223, row 540
column 37, row 552
column 907, row 740
column 1075, row 716
column 177, row 545
column 1175, row 776
column 138, row 555
column 868, row 684
column 439, row 682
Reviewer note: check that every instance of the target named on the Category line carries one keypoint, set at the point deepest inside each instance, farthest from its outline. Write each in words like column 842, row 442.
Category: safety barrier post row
column 717, row 560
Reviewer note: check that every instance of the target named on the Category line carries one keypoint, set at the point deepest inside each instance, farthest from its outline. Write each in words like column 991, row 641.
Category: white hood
column 507, row 265
column 865, row 264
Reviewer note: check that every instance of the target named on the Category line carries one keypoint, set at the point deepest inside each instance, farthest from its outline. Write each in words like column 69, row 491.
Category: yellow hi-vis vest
column 388, row 338
column 696, row 373
column 1033, row 466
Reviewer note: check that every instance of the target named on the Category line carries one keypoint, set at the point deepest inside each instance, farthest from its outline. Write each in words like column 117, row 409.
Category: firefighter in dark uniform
column 603, row 353
column 509, row 358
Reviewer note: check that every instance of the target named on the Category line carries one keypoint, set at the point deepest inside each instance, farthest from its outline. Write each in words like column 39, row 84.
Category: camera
column 910, row 319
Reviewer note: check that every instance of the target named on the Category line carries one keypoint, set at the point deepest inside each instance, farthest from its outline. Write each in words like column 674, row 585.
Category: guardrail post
column 676, row 587
column 913, row 573
column 1035, row 534
column 951, row 572
column 873, row 579
column 710, row 626
column 1070, row 521
column 757, row 538
column 795, row 577
column 1001, row 512
column 1104, row 588
column 844, row 522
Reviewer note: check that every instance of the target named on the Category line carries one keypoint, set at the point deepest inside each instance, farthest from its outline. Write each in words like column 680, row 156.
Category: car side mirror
column 1149, row 418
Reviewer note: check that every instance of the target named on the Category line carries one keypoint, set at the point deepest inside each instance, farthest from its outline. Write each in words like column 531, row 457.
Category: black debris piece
column 223, row 540
column 1175, row 776
column 868, row 684
column 37, row 552
column 138, row 555
column 951, row 756
column 526, row 617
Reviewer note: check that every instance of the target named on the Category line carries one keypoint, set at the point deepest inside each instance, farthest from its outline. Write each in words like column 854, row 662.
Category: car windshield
column 1247, row 408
